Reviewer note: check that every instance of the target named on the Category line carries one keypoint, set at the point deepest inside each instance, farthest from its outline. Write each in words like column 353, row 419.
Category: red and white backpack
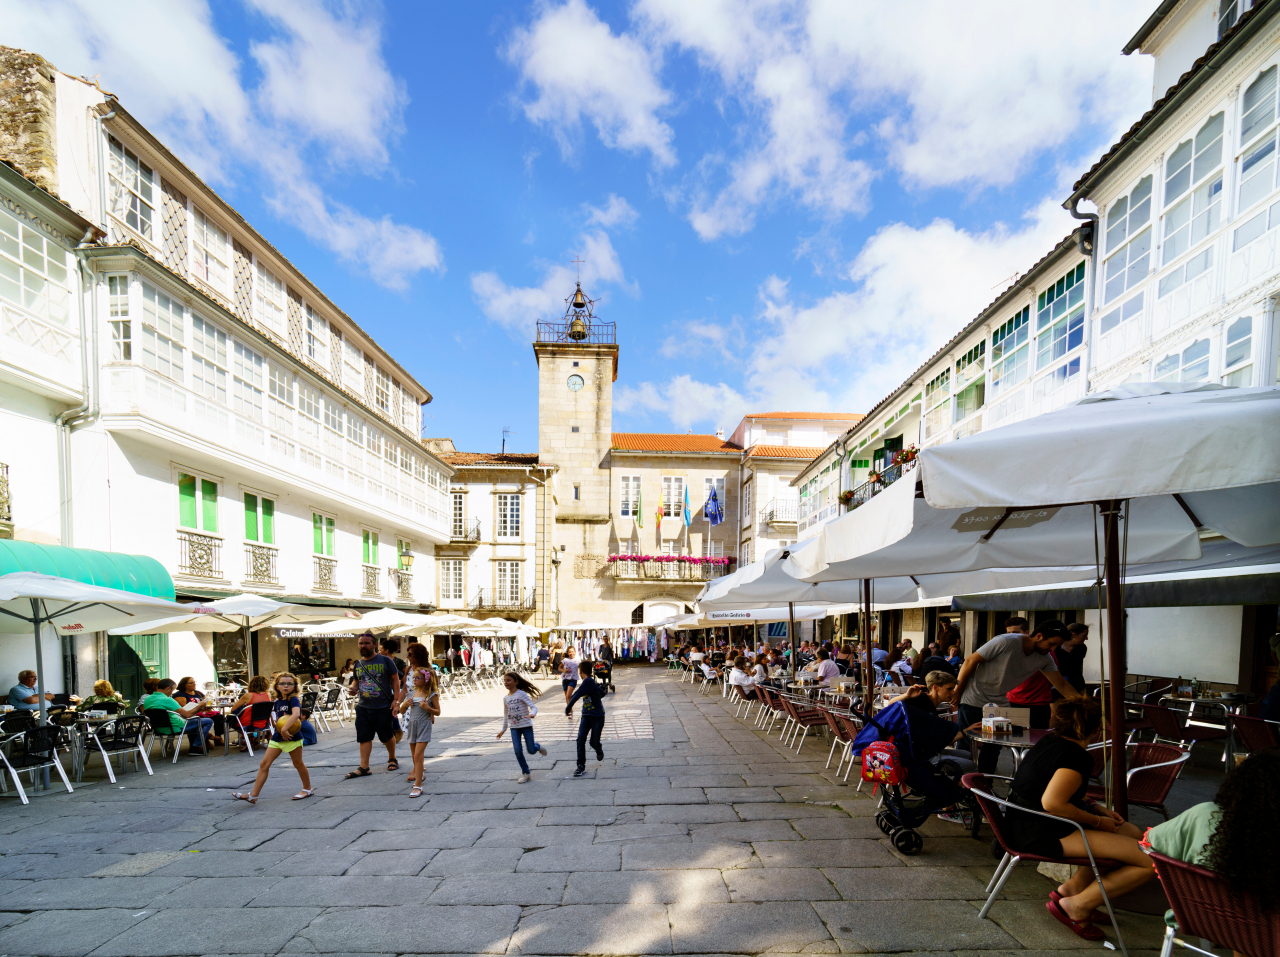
column 881, row 765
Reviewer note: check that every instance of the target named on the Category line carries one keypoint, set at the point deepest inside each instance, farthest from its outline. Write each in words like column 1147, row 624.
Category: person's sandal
column 304, row 794
column 357, row 773
column 1097, row 917
column 1081, row 928
column 239, row 796
column 393, row 765
column 415, row 792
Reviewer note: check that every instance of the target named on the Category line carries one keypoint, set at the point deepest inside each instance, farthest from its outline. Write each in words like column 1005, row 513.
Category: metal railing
column 780, row 512
column 199, row 556
column 260, row 564
column 466, row 531
column 489, row 599
column 325, row 573
column 6, row 507
column 665, row 571
column 404, row 584
column 372, row 587
column 867, row 490
column 594, row 332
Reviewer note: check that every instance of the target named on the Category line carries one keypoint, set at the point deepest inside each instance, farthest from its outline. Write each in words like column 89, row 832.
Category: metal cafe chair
column 121, row 737
column 158, row 719
column 993, row 809
column 32, row 750
column 259, row 720
column 1207, row 907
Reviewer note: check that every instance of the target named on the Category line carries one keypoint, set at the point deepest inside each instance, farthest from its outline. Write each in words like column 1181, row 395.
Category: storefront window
column 309, row 656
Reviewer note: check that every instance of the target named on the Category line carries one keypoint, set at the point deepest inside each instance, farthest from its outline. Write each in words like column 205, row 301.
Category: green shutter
column 366, row 548
column 328, row 540
column 375, row 548
column 187, row 500
column 209, row 499
column 268, row 521
column 317, row 533
column 250, row 517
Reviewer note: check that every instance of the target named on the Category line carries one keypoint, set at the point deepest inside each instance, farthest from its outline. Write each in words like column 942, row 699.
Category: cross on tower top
column 578, row 264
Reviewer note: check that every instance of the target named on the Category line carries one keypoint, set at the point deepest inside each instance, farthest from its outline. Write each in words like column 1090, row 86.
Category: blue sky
column 782, row 205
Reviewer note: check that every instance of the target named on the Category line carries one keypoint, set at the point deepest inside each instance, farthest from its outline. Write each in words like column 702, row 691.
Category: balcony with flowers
column 667, row 568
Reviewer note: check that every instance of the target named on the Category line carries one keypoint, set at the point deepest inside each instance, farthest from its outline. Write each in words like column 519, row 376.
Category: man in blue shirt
column 23, row 695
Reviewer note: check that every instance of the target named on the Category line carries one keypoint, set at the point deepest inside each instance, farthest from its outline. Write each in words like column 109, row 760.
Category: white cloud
column 694, row 338
column 519, row 307
column 324, row 86
column 581, row 70
column 845, row 351
column 685, row 401
column 818, row 97
column 323, row 74
column 616, row 212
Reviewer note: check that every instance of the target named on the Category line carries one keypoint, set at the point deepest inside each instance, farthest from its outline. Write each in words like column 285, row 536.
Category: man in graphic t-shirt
column 376, row 681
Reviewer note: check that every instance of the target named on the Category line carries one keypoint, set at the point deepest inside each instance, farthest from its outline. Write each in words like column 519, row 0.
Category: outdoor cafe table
column 79, row 735
column 1018, row 744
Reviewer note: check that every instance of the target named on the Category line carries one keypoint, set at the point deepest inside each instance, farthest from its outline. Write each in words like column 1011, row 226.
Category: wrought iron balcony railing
column 326, row 573
column 371, row 578
column 665, row 571
column 199, row 556
column 464, row 531
column 260, row 564
column 404, row 584
column 590, row 333
column 780, row 512
column 490, row 599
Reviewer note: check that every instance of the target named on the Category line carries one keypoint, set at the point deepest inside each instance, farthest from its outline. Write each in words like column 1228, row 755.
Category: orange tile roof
column 841, row 416
column 785, row 452
column 489, row 458
column 671, row 442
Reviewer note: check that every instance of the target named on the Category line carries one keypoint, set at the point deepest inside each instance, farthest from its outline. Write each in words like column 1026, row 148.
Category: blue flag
column 688, row 514
column 712, row 510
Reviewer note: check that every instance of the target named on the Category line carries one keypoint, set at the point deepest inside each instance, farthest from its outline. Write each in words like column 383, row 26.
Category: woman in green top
column 1237, row 834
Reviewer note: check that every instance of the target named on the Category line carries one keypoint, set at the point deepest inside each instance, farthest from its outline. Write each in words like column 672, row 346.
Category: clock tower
column 577, row 365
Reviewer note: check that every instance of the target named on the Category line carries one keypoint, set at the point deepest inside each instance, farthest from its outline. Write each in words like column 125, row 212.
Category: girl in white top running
column 518, row 712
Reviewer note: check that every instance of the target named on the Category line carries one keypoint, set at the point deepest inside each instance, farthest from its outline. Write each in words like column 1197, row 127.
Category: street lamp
column 406, row 558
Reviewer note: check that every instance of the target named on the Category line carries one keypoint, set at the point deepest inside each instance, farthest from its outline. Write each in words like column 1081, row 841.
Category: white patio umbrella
column 382, row 619
column 1133, row 476
column 247, row 611
column 29, row 600
column 438, row 624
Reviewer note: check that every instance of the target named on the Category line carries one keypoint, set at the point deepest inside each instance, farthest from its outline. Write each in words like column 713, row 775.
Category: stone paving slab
column 625, row 930
column 571, row 857
column 427, row 928
column 689, row 814
column 744, row 832
column 647, row 887
column 475, row 860
column 902, row 883
column 407, row 862
column 745, row 928
column 912, row 925
column 847, row 853
column 232, row 930
column 70, row 934
column 677, row 856
column 348, row 891
column 325, row 863
column 779, row 884
column 522, row 889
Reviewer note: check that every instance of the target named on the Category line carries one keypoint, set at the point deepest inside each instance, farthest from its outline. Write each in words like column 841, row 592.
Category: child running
column 568, row 673
column 592, row 717
column 286, row 718
column 518, row 714
column 422, row 702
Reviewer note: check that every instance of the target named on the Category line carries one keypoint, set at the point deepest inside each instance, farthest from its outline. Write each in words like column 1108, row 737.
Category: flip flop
column 1081, row 928
column 1097, row 917
column 304, row 794
column 244, row 797
column 357, row 773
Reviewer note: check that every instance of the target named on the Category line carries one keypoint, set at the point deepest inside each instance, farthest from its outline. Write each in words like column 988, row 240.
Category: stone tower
column 577, row 366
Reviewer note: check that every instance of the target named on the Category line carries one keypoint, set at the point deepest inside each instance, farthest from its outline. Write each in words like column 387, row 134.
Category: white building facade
column 231, row 422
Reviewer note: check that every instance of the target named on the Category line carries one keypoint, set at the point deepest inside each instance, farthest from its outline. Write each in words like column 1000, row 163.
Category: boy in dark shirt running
column 592, row 722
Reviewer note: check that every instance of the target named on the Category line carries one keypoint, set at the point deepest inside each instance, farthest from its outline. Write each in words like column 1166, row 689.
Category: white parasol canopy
column 382, row 619
column 240, row 611
column 30, row 599
column 441, row 624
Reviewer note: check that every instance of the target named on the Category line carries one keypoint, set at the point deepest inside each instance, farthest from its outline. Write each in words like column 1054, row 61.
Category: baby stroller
column 930, row 786
column 603, row 671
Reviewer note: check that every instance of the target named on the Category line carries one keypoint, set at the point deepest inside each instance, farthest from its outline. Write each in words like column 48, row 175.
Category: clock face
column 575, row 382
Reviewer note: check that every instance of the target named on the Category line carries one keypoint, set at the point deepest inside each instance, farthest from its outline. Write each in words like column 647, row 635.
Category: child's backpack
column 881, row 765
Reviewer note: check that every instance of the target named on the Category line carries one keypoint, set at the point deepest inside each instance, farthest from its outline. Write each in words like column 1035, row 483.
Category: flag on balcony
column 688, row 513
column 713, row 510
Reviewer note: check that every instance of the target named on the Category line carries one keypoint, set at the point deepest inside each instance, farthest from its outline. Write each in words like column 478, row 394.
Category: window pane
column 1238, row 340
column 1208, row 148
column 187, row 501
column 250, row 517
column 1259, row 106
column 317, row 533
column 268, row 521
column 209, row 498
column 1177, row 173
column 1177, row 231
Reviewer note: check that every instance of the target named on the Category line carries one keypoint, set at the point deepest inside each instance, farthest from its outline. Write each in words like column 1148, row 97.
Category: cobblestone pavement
column 700, row 837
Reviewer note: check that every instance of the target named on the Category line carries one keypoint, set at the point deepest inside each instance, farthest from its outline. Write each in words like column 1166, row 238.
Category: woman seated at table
column 1052, row 778
column 741, row 677
column 104, row 698
column 186, row 693
column 760, row 668
column 1236, row 834
column 242, row 707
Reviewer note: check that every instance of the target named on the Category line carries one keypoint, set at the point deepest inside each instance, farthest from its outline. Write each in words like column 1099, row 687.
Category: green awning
column 136, row 573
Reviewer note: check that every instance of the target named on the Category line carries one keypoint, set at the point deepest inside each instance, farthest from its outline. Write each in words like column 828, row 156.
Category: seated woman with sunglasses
column 1053, row 778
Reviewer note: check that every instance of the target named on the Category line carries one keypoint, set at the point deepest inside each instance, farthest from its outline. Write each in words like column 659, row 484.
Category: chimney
column 719, row 432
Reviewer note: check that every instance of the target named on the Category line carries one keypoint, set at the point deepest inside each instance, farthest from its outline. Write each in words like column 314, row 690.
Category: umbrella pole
column 1117, row 656
column 868, row 669
column 37, row 620
column 795, row 644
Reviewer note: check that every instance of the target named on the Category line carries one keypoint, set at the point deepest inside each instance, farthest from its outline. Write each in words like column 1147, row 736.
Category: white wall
column 1195, row 642
column 18, row 653
column 191, row 654
column 28, row 445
